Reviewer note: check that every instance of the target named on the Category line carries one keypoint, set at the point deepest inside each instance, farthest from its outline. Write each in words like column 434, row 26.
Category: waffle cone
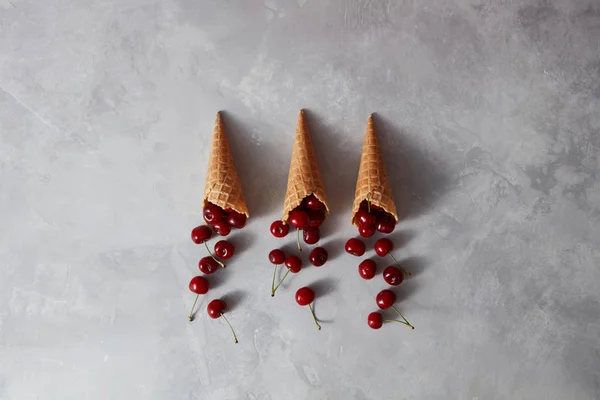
column 372, row 181
column 222, row 186
column 304, row 178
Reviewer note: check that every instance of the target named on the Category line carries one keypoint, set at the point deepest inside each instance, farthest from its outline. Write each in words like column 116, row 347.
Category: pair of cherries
column 385, row 300
column 307, row 217
column 223, row 220
column 367, row 268
column 318, row 257
column 371, row 218
column 215, row 309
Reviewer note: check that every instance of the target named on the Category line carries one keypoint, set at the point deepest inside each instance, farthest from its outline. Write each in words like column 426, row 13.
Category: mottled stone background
column 488, row 112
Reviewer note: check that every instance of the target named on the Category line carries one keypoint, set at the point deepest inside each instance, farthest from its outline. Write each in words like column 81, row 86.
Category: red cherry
column 385, row 299
column 385, row 224
column 208, row 265
column 277, row 257
column 279, row 229
column 298, row 219
column 365, row 219
column 305, row 296
column 355, row 247
column 375, row 320
column 236, row 219
column 199, row 285
column 201, row 234
column 366, row 231
column 383, row 246
column 293, row 263
column 216, row 309
column 367, row 269
column 222, row 228
column 318, row 256
column 311, row 235
column 312, row 203
column 212, row 213
column 316, row 218
column 224, row 249
column 393, row 276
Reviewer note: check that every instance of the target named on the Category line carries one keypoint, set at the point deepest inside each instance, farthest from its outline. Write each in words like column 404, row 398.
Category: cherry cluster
column 221, row 222
column 393, row 275
column 371, row 218
column 307, row 218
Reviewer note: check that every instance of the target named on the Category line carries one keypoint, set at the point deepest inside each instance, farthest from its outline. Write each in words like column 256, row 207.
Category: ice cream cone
column 223, row 186
column 372, row 181
column 304, row 178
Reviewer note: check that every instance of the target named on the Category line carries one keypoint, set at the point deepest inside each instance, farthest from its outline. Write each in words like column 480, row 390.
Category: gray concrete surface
column 489, row 114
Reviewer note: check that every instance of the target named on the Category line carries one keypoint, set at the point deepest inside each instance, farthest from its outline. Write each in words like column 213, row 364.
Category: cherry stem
column 213, row 257
column 298, row 240
column 369, row 202
column 191, row 316
column 405, row 320
column 230, row 327
column 314, row 317
column 280, row 282
column 273, row 281
column 400, row 266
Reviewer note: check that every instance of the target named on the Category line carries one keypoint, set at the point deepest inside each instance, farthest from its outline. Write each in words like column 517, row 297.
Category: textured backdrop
column 488, row 112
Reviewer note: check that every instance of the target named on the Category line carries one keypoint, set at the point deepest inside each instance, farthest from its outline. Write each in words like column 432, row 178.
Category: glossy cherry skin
column 385, row 299
column 215, row 308
column 367, row 269
column 201, row 234
column 236, row 219
column 276, row 257
column 356, row 247
column 318, row 256
column 312, row 203
column 224, row 249
column 294, row 264
column 298, row 219
column 375, row 320
column 393, row 275
column 311, row 235
column 212, row 213
column 383, row 246
column 305, row 296
column 366, row 231
column 279, row 229
column 207, row 265
column 385, row 224
column 222, row 228
column 316, row 218
column 199, row 285
column 365, row 219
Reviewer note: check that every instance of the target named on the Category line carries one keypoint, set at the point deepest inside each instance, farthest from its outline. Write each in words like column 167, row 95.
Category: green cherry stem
column 280, row 282
column 402, row 316
column 400, row 266
column 191, row 316
column 298, row 240
column 273, row 281
column 230, row 327
column 314, row 317
column 213, row 257
column 369, row 202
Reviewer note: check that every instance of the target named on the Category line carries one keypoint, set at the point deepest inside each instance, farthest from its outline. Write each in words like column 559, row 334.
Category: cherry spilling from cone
column 371, row 218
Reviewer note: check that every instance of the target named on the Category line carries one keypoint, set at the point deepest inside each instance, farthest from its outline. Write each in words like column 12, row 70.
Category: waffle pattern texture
column 223, row 186
column 304, row 178
column 372, row 179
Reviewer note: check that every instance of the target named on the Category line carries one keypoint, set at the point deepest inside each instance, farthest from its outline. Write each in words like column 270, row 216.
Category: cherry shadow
column 418, row 178
column 234, row 299
column 242, row 241
column 414, row 265
column 334, row 249
column 406, row 290
column 324, row 286
column 261, row 165
column 401, row 238
column 219, row 277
